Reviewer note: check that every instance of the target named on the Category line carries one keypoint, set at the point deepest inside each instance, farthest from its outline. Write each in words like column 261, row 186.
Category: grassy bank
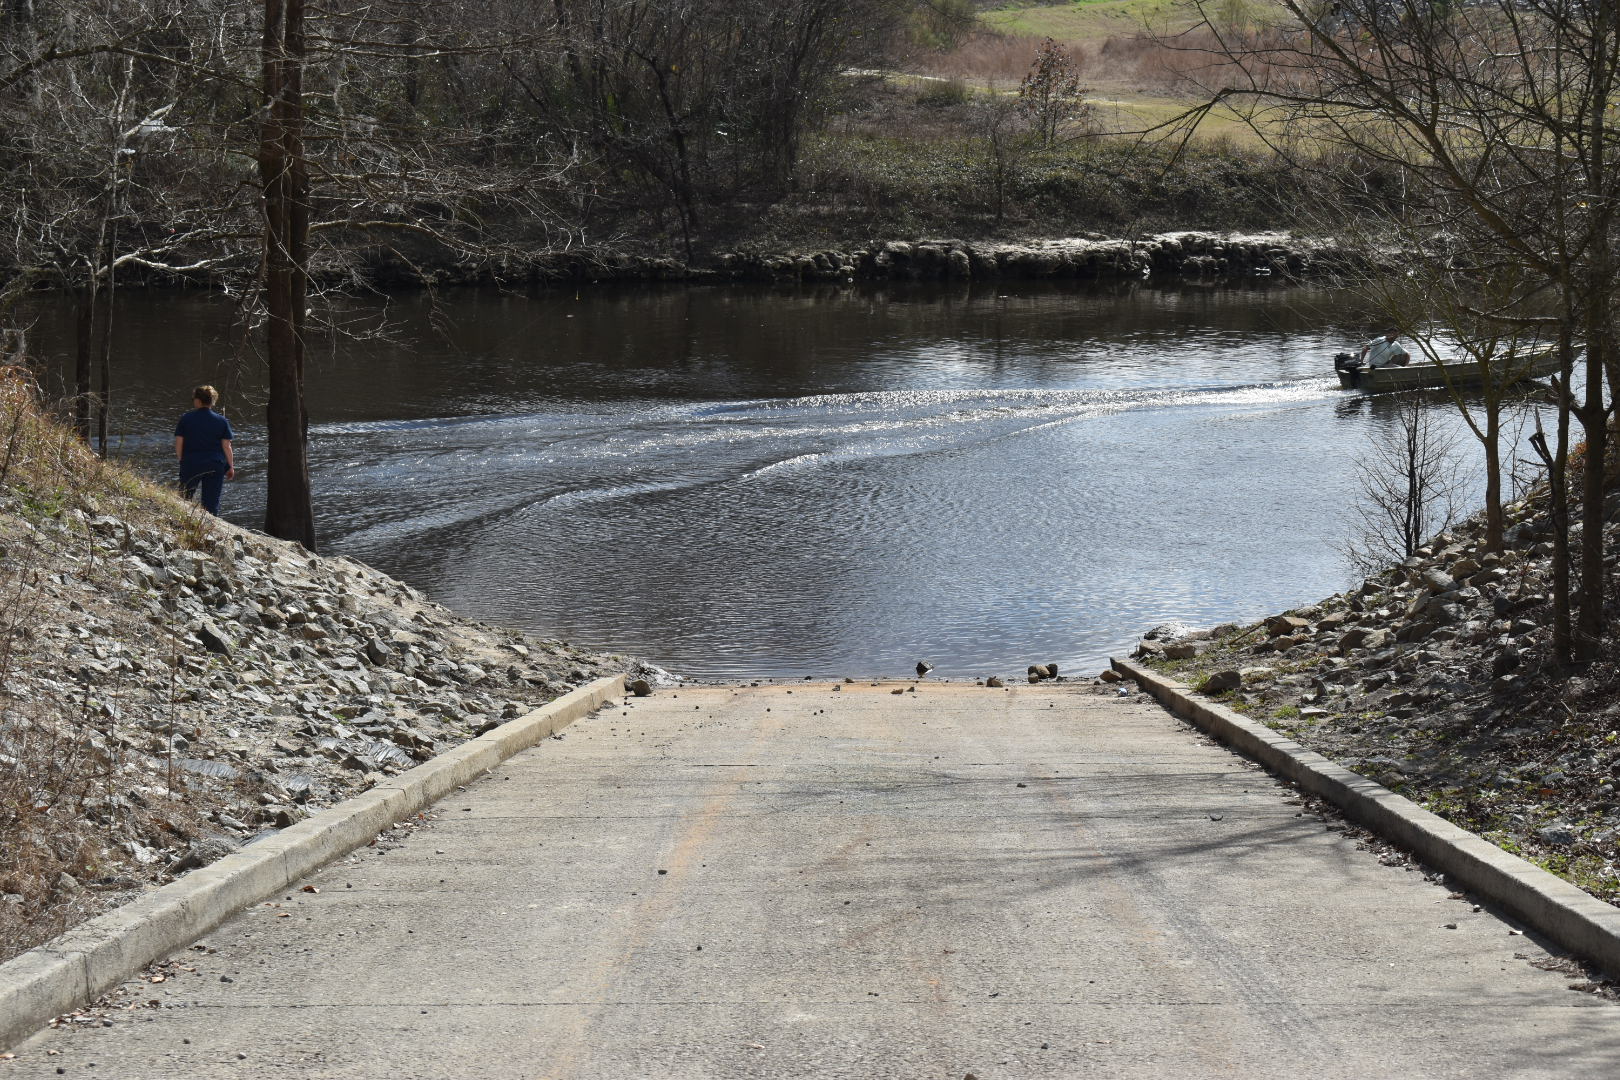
column 912, row 160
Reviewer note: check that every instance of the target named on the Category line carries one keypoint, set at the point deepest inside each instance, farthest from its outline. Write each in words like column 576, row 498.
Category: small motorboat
column 1511, row 368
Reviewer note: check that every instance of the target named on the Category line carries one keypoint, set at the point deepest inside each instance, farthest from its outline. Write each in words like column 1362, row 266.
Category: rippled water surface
column 792, row 482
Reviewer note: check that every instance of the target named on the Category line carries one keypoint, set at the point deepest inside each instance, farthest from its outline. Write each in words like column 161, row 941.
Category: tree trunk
column 86, row 324
column 104, row 332
column 17, row 30
column 1493, row 474
column 1600, row 343
column 1556, row 471
column 411, row 80
column 1594, row 419
column 283, row 171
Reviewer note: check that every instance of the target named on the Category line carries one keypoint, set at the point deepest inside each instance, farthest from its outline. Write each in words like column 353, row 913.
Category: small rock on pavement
column 994, row 680
column 1222, row 681
column 641, row 688
column 1110, row 675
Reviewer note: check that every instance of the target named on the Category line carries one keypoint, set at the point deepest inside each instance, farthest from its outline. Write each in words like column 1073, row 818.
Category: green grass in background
column 1089, row 20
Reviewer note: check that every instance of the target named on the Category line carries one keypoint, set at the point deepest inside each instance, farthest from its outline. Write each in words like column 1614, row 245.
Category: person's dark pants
column 204, row 478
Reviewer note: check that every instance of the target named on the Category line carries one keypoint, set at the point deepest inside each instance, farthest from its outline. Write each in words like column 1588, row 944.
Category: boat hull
column 1459, row 373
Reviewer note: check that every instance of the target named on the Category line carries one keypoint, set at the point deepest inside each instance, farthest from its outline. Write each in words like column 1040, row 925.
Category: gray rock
column 1437, row 581
column 1445, row 614
column 641, row 688
column 1221, row 681
column 202, row 852
column 1278, row 625
column 212, row 638
column 1557, row 834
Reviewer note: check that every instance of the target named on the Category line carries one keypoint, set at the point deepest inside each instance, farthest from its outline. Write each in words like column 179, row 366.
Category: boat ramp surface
column 798, row 881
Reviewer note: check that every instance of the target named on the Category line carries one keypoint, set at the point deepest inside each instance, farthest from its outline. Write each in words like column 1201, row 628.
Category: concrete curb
column 92, row 958
column 1581, row 923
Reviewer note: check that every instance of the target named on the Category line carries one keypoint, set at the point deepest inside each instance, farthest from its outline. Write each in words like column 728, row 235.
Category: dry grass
column 1088, row 20
column 1117, row 63
column 62, row 777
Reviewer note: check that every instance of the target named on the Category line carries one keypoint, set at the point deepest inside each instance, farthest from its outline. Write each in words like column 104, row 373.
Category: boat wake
column 509, row 469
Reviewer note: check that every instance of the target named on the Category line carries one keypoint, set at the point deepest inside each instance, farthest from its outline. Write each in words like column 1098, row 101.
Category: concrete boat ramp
column 809, row 881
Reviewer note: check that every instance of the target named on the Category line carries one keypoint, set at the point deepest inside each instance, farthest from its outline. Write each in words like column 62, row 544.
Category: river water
column 807, row 481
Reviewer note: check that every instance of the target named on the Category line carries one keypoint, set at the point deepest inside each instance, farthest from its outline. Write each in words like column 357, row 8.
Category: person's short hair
column 207, row 395
column 1392, row 332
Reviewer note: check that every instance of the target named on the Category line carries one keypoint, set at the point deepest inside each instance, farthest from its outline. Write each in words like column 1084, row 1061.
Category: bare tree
column 695, row 103
column 282, row 149
column 1494, row 119
column 1460, row 305
column 1001, row 131
column 1410, row 482
column 128, row 153
column 284, row 172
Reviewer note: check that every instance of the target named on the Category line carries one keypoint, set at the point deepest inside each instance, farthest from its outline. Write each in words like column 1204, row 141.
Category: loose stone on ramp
column 792, row 881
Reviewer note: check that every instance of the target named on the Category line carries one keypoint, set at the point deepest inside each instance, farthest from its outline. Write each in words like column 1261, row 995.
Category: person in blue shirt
column 202, row 442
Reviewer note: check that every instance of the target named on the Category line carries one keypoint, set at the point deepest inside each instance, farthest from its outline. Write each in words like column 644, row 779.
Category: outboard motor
column 1350, row 364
